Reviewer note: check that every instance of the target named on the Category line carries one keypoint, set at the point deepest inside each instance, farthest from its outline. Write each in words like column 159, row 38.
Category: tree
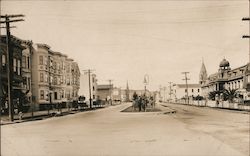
column 212, row 95
column 230, row 94
column 198, row 97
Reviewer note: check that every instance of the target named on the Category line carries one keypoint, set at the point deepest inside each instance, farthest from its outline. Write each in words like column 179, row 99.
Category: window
column 14, row 65
column 18, row 67
column 25, row 82
column 40, row 60
column 28, row 62
column 192, row 90
column 41, row 94
column 54, row 65
column 3, row 60
column 41, row 77
column 55, row 94
column 55, row 80
column 29, row 83
column 185, row 90
column 62, row 94
column 24, row 62
column 198, row 90
column 68, row 81
column 46, row 78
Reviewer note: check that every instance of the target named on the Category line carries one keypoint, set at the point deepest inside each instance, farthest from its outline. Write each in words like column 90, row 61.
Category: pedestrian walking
column 139, row 103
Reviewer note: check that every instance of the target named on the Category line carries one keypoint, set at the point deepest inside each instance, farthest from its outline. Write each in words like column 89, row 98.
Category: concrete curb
column 45, row 116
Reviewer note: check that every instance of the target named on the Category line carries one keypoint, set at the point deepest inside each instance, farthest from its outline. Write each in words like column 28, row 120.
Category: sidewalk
column 211, row 104
column 40, row 115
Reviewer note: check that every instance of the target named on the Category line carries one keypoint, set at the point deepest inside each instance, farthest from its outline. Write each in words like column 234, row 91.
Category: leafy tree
column 212, row 95
column 198, row 97
column 230, row 94
column 81, row 98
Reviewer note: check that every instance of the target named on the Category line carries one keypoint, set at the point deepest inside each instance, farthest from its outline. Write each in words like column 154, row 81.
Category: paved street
column 190, row 131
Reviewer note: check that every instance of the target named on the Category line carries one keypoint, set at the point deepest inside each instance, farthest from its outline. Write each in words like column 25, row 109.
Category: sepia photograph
column 125, row 77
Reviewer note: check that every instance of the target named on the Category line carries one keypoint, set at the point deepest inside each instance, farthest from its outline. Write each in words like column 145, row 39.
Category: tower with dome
column 225, row 78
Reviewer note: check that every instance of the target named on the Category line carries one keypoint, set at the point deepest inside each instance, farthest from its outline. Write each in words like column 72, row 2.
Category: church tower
column 203, row 74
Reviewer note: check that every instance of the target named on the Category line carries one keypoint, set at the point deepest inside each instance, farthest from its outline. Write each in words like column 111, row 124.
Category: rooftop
column 189, row 85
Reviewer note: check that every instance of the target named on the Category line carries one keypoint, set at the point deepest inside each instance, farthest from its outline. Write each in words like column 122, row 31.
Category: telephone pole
column 110, row 90
column 247, row 36
column 170, row 90
column 89, row 71
column 164, row 91
column 30, row 43
column 186, row 80
column 7, row 19
column 248, row 19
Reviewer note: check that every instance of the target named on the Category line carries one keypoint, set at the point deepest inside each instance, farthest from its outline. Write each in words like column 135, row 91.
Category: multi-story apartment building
column 16, row 49
column 26, row 73
column 52, row 77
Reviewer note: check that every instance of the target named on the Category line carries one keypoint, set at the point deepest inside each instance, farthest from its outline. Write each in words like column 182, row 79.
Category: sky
column 124, row 40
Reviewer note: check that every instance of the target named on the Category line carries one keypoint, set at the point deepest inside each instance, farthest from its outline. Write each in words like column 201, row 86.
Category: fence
column 221, row 104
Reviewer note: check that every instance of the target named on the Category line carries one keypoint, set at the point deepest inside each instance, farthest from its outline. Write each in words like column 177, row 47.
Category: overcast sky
column 126, row 39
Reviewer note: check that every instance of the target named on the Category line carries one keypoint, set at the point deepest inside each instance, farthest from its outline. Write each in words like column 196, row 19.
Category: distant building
column 128, row 95
column 84, row 86
column 180, row 90
column 104, row 92
column 116, row 94
column 226, row 78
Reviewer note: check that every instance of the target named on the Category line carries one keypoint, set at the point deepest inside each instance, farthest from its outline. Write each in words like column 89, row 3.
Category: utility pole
column 247, row 36
column 186, row 80
column 146, row 82
column 110, row 90
column 7, row 20
column 89, row 71
column 170, row 90
column 30, row 65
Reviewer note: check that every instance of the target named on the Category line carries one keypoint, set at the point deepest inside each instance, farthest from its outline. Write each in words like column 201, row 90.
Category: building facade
column 16, row 48
column 55, row 78
column 88, row 85
column 105, row 92
column 226, row 78
column 180, row 91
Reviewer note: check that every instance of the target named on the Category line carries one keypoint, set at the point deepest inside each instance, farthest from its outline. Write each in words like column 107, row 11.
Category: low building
column 104, row 92
column 180, row 91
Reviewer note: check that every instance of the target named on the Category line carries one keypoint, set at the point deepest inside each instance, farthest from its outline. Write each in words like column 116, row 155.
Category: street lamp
column 146, row 82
